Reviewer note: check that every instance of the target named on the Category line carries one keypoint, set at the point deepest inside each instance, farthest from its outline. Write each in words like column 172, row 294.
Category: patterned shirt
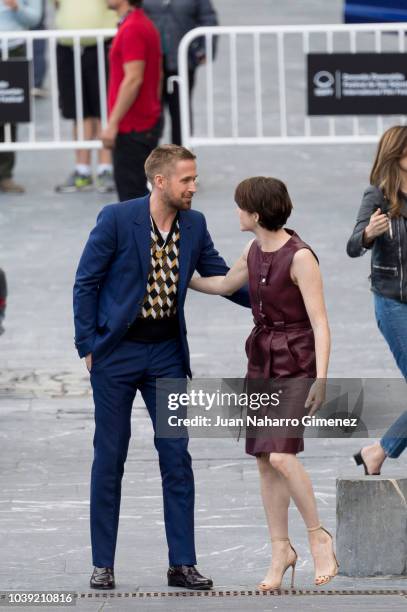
column 160, row 300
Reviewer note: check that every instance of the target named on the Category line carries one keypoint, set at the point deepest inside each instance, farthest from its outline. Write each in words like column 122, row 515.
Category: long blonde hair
column 385, row 173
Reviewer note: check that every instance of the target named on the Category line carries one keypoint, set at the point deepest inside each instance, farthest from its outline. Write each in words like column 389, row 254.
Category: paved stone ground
column 46, row 408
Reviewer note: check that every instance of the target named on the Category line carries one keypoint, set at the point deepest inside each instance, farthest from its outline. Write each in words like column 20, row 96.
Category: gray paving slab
column 44, row 504
column 46, row 416
column 269, row 603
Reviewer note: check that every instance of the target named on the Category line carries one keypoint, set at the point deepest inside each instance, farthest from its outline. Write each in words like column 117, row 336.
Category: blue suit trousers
column 115, row 380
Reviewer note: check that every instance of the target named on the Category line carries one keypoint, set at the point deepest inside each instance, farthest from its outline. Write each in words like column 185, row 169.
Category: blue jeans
column 391, row 316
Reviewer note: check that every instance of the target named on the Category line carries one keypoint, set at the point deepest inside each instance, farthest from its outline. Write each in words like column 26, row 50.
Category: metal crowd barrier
column 254, row 93
column 56, row 133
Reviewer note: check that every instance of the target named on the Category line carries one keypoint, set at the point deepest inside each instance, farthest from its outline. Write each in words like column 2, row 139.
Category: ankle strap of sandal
column 280, row 539
column 310, row 529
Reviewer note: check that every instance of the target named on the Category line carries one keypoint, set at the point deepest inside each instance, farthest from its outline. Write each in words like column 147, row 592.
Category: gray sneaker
column 105, row 182
column 8, row 185
column 75, row 182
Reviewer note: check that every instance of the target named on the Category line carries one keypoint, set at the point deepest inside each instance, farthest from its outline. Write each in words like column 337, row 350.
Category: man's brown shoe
column 8, row 185
column 102, row 578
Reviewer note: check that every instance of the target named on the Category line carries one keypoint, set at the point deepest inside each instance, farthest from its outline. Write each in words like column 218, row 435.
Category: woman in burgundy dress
column 290, row 339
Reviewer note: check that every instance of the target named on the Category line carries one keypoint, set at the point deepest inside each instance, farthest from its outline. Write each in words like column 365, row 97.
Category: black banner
column 15, row 91
column 357, row 84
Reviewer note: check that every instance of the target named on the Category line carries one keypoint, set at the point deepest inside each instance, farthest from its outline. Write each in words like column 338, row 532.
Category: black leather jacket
column 389, row 252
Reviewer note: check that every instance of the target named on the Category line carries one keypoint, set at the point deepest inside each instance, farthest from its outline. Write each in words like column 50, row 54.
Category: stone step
column 371, row 536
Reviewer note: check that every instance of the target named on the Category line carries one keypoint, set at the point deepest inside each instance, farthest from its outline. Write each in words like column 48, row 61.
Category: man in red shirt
column 134, row 125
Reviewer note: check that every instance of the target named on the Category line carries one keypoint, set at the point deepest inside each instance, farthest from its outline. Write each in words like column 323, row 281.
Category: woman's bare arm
column 306, row 273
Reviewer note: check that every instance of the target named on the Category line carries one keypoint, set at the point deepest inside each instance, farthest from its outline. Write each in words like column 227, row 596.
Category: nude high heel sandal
column 265, row 586
column 324, row 579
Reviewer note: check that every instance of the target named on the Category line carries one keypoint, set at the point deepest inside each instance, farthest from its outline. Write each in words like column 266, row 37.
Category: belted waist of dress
column 282, row 325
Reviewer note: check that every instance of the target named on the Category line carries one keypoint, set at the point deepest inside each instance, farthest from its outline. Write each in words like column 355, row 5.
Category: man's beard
column 175, row 203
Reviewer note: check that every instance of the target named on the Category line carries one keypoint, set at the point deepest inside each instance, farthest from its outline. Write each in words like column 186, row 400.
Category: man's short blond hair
column 163, row 158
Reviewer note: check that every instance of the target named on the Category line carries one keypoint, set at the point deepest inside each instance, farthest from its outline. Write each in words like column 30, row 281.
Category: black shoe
column 102, row 578
column 187, row 576
column 359, row 461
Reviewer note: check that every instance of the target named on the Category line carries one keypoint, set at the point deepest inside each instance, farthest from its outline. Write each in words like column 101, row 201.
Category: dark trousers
column 115, row 379
column 40, row 62
column 3, row 298
column 129, row 155
column 40, row 51
column 8, row 158
column 171, row 100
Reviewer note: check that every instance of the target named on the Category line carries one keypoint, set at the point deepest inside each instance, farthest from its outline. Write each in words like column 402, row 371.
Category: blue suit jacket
column 111, row 279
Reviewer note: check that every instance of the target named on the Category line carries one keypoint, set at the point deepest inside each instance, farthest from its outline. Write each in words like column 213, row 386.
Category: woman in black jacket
column 382, row 227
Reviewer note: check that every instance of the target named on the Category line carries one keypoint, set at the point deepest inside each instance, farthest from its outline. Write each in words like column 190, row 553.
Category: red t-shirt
column 137, row 39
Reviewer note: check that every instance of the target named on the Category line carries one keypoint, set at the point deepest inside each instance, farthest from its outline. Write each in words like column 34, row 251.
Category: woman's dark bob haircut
column 266, row 196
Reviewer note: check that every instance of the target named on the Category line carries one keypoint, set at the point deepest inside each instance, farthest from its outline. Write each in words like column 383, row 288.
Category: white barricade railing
column 255, row 90
column 53, row 132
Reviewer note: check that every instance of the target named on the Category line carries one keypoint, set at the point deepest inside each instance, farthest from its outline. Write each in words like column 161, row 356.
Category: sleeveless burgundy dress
column 281, row 344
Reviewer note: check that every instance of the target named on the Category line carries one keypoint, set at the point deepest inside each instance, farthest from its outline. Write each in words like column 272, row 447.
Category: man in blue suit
column 129, row 296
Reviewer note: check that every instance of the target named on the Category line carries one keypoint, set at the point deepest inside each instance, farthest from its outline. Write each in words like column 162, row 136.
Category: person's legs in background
column 40, row 68
column 391, row 317
column 104, row 179
column 7, row 161
column 40, row 63
column 172, row 101
column 104, row 171
column 39, row 53
column 8, row 158
column 129, row 155
column 394, row 441
column 3, row 299
column 81, row 179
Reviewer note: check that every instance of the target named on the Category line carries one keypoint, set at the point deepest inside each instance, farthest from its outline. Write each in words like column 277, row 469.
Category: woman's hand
column 378, row 225
column 316, row 396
